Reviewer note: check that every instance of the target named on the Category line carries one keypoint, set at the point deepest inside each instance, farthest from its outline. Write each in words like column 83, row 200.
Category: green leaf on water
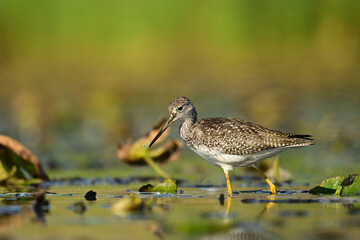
column 339, row 186
column 166, row 186
column 332, row 183
column 352, row 189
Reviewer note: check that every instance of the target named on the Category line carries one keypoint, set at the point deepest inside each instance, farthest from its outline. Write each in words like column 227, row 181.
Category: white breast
column 227, row 161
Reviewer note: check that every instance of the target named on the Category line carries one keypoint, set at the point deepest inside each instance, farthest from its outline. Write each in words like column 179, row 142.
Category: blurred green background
column 78, row 77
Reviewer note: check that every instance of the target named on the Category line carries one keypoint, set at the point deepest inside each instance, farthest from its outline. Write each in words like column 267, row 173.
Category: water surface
column 192, row 213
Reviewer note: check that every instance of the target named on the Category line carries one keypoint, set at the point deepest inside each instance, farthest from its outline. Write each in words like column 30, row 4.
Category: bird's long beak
column 166, row 125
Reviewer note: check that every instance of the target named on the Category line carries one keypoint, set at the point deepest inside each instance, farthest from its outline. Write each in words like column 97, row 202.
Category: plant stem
column 156, row 168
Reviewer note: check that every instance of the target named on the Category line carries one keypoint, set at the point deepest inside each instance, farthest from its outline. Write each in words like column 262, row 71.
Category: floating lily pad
column 166, row 186
column 339, row 186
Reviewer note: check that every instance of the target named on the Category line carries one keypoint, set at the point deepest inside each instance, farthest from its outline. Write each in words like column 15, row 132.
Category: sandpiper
column 230, row 142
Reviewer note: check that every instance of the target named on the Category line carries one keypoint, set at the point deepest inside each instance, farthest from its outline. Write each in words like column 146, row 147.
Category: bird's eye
column 180, row 108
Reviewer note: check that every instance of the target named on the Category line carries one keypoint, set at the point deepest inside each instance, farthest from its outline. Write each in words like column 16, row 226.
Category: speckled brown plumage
column 239, row 137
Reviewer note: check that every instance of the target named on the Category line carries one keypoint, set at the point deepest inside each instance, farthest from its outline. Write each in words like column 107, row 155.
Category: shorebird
column 230, row 142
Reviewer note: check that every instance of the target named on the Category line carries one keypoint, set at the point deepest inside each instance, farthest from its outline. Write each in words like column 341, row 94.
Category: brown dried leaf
column 124, row 150
column 18, row 162
column 135, row 152
column 170, row 151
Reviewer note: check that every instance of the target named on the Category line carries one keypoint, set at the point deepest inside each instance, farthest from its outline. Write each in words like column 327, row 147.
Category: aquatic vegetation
column 339, row 186
column 137, row 152
column 18, row 163
column 165, row 186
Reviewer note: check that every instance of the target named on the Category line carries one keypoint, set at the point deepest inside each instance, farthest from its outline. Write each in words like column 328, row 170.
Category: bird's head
column 179, row 109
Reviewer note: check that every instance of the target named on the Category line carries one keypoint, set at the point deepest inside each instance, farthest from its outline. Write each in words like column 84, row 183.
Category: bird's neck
column 186, row 125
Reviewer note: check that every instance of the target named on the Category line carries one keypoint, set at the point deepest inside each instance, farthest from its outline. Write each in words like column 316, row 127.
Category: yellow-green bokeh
column 79, row 76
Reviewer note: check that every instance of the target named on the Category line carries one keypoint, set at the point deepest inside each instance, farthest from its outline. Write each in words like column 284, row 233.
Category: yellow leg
column 228, row 205
column 228, row 184
column 271, row 185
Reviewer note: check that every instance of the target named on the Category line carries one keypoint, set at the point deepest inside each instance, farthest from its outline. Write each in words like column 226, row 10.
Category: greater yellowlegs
column 229, row 142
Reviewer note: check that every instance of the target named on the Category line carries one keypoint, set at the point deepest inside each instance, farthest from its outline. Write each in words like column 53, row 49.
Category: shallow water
column 192, row 213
